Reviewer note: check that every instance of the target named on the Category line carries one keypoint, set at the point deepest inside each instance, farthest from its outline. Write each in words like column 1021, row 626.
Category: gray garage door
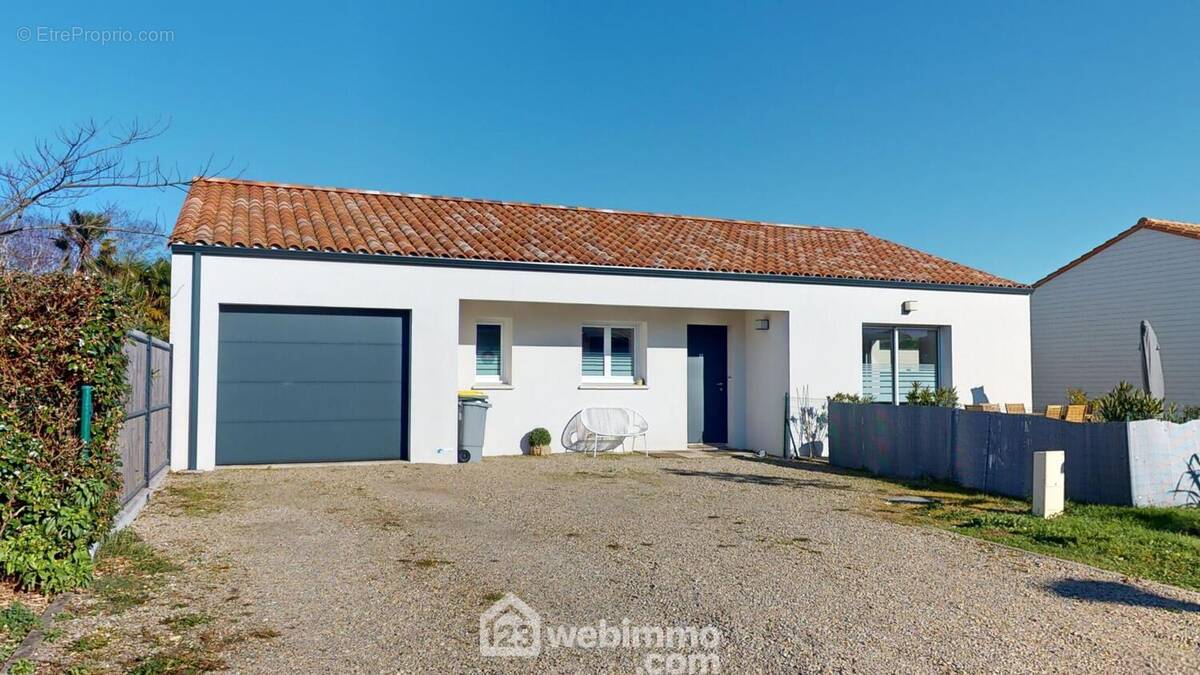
column 310, row 385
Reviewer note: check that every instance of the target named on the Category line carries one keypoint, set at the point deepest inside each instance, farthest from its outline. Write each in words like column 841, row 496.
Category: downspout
column 194, row 362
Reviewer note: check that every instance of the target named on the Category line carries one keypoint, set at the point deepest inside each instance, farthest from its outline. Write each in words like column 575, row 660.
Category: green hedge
column 57, row 332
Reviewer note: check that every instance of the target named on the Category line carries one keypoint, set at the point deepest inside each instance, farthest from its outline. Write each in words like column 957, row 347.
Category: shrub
column 1127, row 403
column 539, row 438
column 1174, row 413
column 57, row 332
column 842, row 397
column 944, row 397
column 1077, row 397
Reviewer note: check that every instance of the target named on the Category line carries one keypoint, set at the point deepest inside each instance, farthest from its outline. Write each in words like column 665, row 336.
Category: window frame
column 608, row 377
column 505, row 376
column 939, row 368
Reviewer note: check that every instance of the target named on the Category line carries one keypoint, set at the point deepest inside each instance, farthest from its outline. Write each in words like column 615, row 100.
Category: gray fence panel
column 1010, row 463
column 990, row 452
column 845, row 435
column 970, row 453
column 879, row 453
column 130, row 441
column 933, row 442
column 144, row 440
column 1098, row 467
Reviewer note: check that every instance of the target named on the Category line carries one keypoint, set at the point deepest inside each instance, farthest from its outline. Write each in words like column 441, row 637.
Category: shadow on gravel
column 1116, row 593
column 800, row 464
column 758, row 479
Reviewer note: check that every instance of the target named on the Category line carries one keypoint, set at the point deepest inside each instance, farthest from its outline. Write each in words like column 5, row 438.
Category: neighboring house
column 1087, row 315
column 318, row 324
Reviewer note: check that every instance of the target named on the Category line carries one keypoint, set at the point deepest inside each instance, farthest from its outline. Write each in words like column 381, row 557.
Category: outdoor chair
column 1054, row 412
column 1014, row 408
column 1077, row 413
column 596, row 425
column 982, row 407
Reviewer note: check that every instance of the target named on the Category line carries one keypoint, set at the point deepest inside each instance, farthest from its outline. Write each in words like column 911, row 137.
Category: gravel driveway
column 387, row 567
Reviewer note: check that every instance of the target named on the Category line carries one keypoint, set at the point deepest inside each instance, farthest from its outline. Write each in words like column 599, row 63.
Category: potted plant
column 539, row 442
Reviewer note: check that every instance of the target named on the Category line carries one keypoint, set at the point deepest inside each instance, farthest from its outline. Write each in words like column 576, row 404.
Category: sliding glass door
column 894, row 358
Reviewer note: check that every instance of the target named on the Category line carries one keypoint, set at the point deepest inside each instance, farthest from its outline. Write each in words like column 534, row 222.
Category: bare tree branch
column 77, row 162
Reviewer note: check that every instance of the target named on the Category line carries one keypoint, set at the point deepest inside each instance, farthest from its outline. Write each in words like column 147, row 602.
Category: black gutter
column 194, row 361
column 419, row 261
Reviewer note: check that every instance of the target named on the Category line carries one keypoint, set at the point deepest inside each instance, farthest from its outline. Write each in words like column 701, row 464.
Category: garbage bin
column 472, row 418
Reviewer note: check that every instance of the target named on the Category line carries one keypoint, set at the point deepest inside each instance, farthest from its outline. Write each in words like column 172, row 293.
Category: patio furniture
column 595, row 425
column 1014, row 408
column 1054, row 412
column 982, row 407
column 1076, row 413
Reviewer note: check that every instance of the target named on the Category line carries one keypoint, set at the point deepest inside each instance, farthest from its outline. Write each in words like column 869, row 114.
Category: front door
column 708, row 370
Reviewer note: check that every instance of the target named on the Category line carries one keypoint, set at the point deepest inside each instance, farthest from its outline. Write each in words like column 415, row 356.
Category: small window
column 607, row 353
column 488, row 349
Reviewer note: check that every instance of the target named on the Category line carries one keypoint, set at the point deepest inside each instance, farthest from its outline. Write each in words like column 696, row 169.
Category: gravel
column 388, row 566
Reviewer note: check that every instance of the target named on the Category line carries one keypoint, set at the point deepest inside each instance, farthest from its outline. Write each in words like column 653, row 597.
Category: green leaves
column 539, row 438
column 57, row 332
column 945, row 397
column 1127, row 403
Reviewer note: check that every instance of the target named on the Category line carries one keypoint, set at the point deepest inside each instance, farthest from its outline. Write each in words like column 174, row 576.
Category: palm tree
column 79, row 239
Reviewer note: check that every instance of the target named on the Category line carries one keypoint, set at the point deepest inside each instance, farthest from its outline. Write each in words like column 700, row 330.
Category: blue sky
column 1009, row 136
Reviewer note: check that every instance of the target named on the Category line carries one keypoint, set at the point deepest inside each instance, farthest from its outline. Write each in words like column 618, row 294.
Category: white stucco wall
column 821, row 325
column 545, row 383
column 1087, row 321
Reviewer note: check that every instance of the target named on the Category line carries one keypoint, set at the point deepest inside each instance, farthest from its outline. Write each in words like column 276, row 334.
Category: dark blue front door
column 708, row 371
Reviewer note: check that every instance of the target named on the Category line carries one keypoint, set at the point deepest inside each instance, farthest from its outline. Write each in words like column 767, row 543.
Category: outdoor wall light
column 908, row 306
column 762, row 324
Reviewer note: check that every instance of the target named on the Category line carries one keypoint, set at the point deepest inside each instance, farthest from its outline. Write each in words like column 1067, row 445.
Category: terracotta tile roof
column 240, row 213
column 1169, row 226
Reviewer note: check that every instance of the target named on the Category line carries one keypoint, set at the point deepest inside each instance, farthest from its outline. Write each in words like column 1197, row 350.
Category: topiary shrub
column 57, row 332
column 944, row 397
column 539, row 441
column 1127, row 403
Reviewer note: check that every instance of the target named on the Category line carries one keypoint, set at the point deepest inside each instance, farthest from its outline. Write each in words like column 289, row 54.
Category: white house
column 1087, row 314
column 316, row 324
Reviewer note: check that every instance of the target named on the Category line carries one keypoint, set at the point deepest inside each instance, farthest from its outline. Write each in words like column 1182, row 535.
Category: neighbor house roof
column 1169, row 226
column 256, row 215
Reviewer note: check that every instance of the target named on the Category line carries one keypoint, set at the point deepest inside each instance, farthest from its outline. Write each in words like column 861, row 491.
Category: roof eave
column 616, row 270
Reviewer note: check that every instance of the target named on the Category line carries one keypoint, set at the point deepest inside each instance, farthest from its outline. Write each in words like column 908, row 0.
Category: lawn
column 1161, row 544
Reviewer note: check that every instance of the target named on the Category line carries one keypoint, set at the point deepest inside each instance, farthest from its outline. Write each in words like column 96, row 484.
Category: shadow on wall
column 1189, row 483
column 1112, row 592
column 979, row 396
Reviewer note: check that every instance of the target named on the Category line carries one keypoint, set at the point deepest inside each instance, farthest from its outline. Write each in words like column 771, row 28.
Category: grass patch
column 1162, row 544
column 127, row 570
column 91, row 642
column 16, row 621
column 492, row 598
column 198, row 496
column 183, row 659
column 182, row 622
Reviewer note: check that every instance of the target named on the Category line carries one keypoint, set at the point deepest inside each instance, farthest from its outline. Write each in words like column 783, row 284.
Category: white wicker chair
column 611, row 426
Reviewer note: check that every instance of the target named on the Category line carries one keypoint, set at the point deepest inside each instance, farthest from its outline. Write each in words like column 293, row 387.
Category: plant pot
column 539, row 450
